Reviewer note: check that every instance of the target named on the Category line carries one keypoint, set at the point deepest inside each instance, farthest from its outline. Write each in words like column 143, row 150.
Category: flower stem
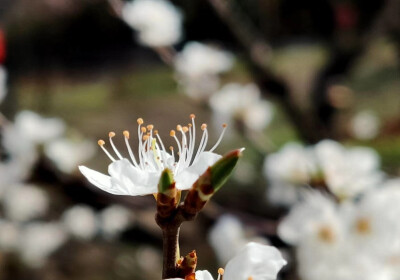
column 170, row 250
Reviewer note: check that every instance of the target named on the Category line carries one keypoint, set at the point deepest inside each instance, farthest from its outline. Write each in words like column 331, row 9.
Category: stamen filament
column 111, row 135
column 101, row 144
column 220, row 138
column 126, row 134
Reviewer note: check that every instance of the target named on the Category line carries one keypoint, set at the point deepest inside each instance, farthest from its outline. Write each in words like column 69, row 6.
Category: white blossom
column 38, row 129
column 67, row 154
column 244, row 103
column 157, row 22
column 197, row 59
column 140, row 177
column 3, row 83
column 25, row 202
column 314, row 216
column 287, row 170
column 261, row 262
column 114, row 220
column 197, row 68
column 80, row 221
column 365, row 125
column 21, row 155
column 254, row 261
column 348, row 171
column 227, row 238
column 39, row 240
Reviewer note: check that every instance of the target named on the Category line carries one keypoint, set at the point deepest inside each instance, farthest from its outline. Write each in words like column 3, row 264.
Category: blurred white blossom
column 255, row 261
column 39, row 240
column 38, row 129
column 228, row 237
column 348, row 171
column 243, row 103
column 197, row 67
column 157, row 22
column 20, row 153
column 365, row 125
column 3, row 83
column 149, row 258
column 114, row 220
column 355, row 239
column 67, row 154
column 287, row 170
column 25, row 202
column 81, row 222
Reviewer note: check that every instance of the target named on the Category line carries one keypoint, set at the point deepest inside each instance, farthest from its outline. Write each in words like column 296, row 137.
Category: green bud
column 166, row 182
column 223, row 168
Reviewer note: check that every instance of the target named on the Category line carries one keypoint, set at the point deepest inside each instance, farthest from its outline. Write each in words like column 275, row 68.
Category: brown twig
column 170, row 227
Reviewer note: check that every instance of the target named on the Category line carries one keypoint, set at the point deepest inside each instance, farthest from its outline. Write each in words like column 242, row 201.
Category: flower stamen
column 221, row 272
column 126, row 134
column 101, row 144
column 111, row 135
column 220, row 137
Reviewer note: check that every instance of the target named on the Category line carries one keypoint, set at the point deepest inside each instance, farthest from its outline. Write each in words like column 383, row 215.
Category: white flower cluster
column 345, row 224
column 357, row 239
column 26, row 206
column 22, row 231
column 345, row 172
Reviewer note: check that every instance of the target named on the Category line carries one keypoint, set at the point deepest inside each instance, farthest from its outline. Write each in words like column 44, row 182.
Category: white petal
column 203, row 275
column 101, row 181
column 186, row 178
column 261, row 262
column 131, row 179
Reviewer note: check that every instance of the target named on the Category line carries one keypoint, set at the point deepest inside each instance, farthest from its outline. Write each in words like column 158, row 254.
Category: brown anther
column 189, row 125
column 111, row 134
column 326, row 234
column 126, row 133
column 363, row 226
column 224, row 125
column 192, row 116
column 155, row 132
column 185, row 129
column 150, row 127
column 145, row 137
column 221, row 271
column 171, row 148
column 140, row 121
column 143, row 129
column 101, row 142
column 148, row 133
column 179, row 127
column 203, row 126
column 172, row 133
column 250, row 278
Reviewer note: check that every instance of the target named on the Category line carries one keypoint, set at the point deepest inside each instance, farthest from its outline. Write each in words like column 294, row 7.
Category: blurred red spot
column 2, row 47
